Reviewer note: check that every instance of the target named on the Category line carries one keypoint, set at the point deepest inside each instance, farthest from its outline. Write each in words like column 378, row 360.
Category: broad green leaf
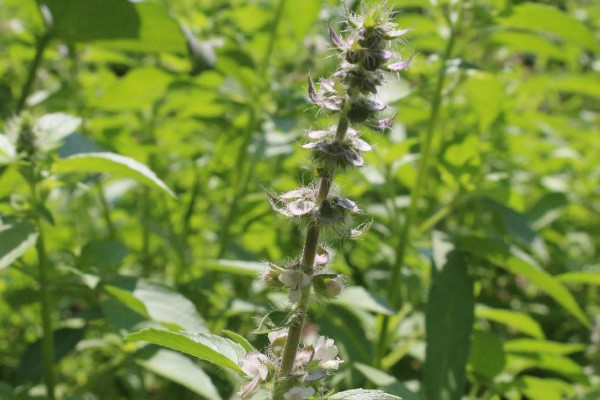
column 486, row 358
column 518, row 363
column 239, row 339
column 138, row 90
column 118, row 24
column 529, row 43
column 15, row 239
column 544, row 388
column 550, row 21
column 485, row 93
column 237, row 267
column 158, row 303
column 128, row 299
column 102, row 254
column 386, row 382
column 582, row 278
column 448, row 321
column 357, row 297
column 8, row 151
column 547, row 209
column 30, row 368
column 363, row 394
column 215, row 349
column 517, row 262
column 55, row 127
column 111, row 163
column 180, row 369
column 517, row 320
column 542, row 346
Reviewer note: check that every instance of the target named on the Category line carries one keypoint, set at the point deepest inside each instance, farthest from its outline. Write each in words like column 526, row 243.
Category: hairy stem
column 311, row 244
column 46, row 298
column 254, row 121
column 415, row 196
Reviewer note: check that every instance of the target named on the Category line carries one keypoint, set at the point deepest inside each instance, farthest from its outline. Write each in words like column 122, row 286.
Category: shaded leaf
column 15, row 239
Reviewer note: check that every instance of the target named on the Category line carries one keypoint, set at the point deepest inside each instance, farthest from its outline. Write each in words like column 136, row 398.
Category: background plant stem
column 40, row 47
column 394, row 288
column 254, row 121
column 48, row 354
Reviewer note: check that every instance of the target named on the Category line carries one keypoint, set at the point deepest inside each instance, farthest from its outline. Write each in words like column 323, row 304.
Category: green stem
column 415, row 196
column 40, row 47
column 48, row 354
column 253, row 125
column 110, row 226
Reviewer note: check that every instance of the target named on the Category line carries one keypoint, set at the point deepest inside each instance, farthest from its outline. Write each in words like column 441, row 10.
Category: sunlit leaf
column 215, row 349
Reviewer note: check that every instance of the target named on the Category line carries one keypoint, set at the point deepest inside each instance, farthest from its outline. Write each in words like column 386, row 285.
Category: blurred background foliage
column 210, row 94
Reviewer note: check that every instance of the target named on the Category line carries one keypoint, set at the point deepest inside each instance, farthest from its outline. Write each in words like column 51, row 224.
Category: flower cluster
column 294, row 371
column 295, row 278
column 312, row 364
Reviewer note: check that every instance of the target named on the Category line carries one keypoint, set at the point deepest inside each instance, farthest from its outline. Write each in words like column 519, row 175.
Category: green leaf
column 102, row 254
column 15, row 239
column 55, row 127
column 448, row 322
column 485, row 93
column 517, row 320
column 158, row 303
column 116, row 164
column 178, row 368
column 363, row 394
column 274, row 321
column 138, row 90
column 542, row 346
column 30, row 367
column 517, row 262
column 8, row 152
column 237, row 267
column 544, row 388
column 239, row 339
column 550, row 21
column 215, row 349
column 582, row 278
column 386, row 382
column 117, row 24
column 357, row 297
column 486, row 358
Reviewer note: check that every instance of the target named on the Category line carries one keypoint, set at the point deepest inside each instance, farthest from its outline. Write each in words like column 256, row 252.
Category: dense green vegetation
column 138, row 141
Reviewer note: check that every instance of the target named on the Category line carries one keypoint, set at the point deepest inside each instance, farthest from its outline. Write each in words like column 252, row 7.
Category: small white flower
column 254, row 365
column 295, row 280
column 299, row 393
column 326, row 352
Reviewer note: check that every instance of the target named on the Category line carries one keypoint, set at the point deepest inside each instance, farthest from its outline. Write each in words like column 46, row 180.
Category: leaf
column 102, row 254
column 550, row 21
column 544, row 388
column 582, row 278
column 30, row 368
column 542, row 346
column 357, row 297
column 117, row 24
column 215, row 349
column 15, row 239
column 386, row 382
column 547, row 209
column 55, row 127
column 112, row 163
column 273, row 321
column 363, row 394
column 158, row 302
column 485, row 93
column 517, row 320
column 486, row 358
column 178, row 368
column 239, row 339
column 517, row 262
column 237, row 267
column 448, row 322
column 138, row 90
column 8, row 152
